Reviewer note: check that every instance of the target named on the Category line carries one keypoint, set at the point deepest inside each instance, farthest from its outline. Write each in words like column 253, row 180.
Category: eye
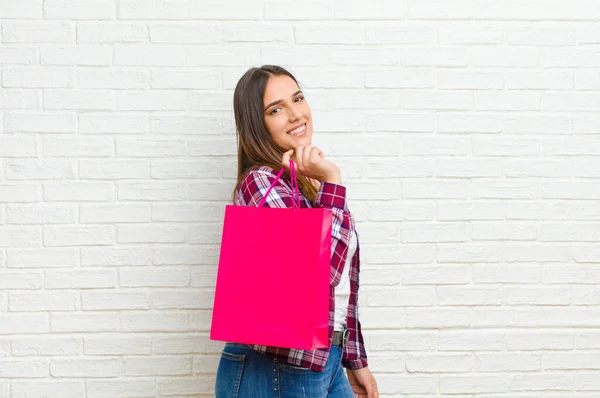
column 274, row 111
column 299, row 98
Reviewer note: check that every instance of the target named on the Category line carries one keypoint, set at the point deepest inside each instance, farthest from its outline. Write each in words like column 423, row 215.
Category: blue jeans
column 246, row 373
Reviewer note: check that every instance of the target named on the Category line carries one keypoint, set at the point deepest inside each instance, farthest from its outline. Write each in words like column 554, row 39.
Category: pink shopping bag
column 273, row 276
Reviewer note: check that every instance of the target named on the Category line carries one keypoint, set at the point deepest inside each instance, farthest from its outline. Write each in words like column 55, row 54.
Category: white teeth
column 298, row 130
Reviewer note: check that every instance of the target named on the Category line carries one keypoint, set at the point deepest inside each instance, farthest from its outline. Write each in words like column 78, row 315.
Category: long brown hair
column 255, row 145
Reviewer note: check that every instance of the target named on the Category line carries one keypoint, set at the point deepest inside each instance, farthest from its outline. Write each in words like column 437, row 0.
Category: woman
column 274, row 126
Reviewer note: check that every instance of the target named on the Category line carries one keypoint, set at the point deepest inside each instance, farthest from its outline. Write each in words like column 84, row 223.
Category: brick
column 179, row 255
column 505, row 147
column 438, row 317
column 80, row 323
column 376, row 10
column 155, row 100
column 539, row 340
column 182, row 299
column 19, row 368
column 23, row 10
column 480, row 340
column 431, row 233
column 200, row 79
column 23, row 323
column 69, row 9
column 228, row 54
column 436, row 56
column 19, row 99
column 439, row 362
column 34, row 301
column 184, row 124
column 186, row 170
column 540, row 80
column 405, row 78
column 79, row 235
column 79, row 191
column 304, row 56
column 83, row 279
column 27, row 236
column 262, row 32
column 185, row 344
column 39, row 123
column 154, row 322
column 37, row 77
column 117, row 344
column 186, row 10
column 154, row 277
column 111, row 32
column 38, row 32
column 119, row 79
column 197, row 33
column 438, row 189
column 540, row 36
column 451, row 34
column 113, row 169
column 19, row 193
column 17, row 55
column 504, row 231
column 149, row 55
column 391, row 33
column 21, row 280
column 17, row 145
column 406, row 297
column 328, row 34
column 42, row 258
column 162, row 366
column 156, row 191
column 39, row 389
column 540, row 382
column 290, row 11
column 115, row 256
column 462, row 80
column 40, row 170
column 114, row 213
column 186, row 212
column 114, row 301
column 537, row 296
column 81, row 100
column 72, row 367
column 470, row 384
column 407, row 254
column 462, row 168
column 113, row 124
column 46, row 346
column 507, row 273
column 135, row 387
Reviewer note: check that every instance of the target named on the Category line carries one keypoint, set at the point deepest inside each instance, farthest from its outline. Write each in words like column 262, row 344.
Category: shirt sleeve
column 330, row 196
column 354, row 355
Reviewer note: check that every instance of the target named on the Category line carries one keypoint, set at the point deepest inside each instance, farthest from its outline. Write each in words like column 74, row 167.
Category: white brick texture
column 467, row 132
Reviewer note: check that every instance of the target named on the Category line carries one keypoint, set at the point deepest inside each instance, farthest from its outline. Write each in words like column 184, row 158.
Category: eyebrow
column 278, row 101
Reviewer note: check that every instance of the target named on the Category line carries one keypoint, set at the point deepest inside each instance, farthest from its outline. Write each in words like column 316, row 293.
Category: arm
column 330, row 196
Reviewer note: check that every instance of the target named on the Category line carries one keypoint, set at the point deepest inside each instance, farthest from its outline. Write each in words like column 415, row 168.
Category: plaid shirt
column 330, row 196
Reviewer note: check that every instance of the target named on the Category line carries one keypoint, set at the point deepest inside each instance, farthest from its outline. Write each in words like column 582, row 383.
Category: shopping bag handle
column 295, row 188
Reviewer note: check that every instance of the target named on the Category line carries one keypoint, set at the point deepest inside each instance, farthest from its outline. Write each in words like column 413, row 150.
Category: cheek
column 276, row 128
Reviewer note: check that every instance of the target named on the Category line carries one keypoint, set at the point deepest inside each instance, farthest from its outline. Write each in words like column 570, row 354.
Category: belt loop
column 345, row 335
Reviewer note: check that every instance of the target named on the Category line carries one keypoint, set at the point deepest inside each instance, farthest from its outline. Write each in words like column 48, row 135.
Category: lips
column 298, row 131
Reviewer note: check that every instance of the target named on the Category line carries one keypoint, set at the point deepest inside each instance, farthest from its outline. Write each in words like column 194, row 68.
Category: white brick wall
column 467, row 132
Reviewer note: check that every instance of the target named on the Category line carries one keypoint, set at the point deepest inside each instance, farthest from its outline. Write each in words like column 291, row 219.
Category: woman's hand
column 363, row 383
column 310, row 162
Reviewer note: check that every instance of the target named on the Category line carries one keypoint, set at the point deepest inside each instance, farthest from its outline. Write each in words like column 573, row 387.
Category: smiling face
column 287, row 114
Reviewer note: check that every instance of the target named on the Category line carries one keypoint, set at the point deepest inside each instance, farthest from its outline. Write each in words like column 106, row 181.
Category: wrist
column 333, row 178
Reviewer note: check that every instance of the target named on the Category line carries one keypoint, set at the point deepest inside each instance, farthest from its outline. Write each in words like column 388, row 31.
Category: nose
column 295, row 113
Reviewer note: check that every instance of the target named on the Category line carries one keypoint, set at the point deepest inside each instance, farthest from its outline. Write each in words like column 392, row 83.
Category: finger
column 306, row 154
column 299, row 161
column 314, row 154
column 285, row 161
